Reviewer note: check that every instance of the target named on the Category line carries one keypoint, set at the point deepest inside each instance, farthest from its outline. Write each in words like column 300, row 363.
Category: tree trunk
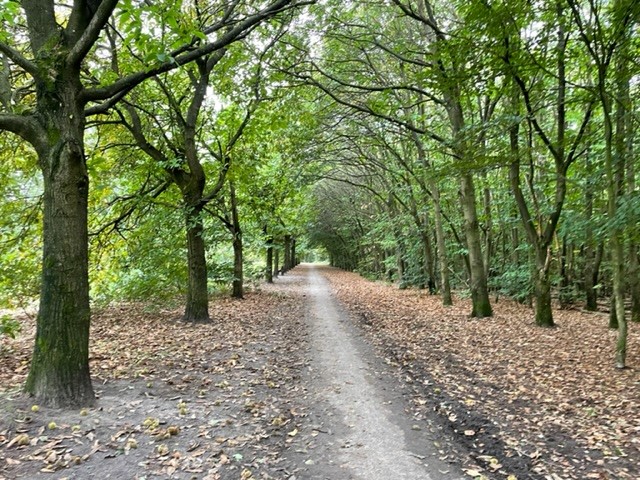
column 428, row 267
column 59, row 372
column 286, row 264
column 633, row 268
column 238, row 273
column 481, row 306
column 276, row 262
column 565, row 296
column 294, row 261
column 615, row 157
column 544, row 313
column 589, row 254
column 488, row 230
column 399, row 265
column 618, row 299
column 269, row 267
column 445, row 286
column 634, row 282
column 197, row 306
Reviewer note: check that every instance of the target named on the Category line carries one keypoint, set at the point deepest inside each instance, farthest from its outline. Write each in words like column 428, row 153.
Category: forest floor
column 286, row 385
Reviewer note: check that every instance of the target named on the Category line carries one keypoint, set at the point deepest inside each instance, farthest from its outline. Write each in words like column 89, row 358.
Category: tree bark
column 488, row 229
column 197, row 304
column 589, row 253
column 544, row 313
column 269, row 266
column 286, row 264
column 238, row 273
column 445, row 286
column 59, row 372
column 294, row 261
column 481, row 306
column 565, row 297
column 276, row 262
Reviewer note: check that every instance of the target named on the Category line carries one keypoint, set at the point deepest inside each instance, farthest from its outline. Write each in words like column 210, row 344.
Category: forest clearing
column 499, row 397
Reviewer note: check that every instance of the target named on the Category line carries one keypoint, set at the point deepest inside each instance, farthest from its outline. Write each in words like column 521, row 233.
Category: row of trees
column 459, row 144
column 491, row 138
column 167, row 110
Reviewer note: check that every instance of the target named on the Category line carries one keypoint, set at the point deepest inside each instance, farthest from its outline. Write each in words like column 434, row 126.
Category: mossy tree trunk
column 197, row 303
column 544, row 313
column 59, row 373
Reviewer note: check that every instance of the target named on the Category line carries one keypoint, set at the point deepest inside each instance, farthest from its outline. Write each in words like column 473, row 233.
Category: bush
column 9, row 326
column 514, row 283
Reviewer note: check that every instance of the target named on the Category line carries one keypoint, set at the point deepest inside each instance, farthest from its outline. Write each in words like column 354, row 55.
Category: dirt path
column 358, row 403
column 279, row 386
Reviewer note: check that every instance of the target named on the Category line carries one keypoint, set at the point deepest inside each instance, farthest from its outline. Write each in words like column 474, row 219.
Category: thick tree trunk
column 589, row 285
column 59, row 372
column 427, row 248
column 197, row 305
column 399, row 265
column 618, row 299
column 479, row 291
column 544, row 313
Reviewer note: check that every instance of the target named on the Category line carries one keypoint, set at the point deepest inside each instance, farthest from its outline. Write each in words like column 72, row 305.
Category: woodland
column 166, row 154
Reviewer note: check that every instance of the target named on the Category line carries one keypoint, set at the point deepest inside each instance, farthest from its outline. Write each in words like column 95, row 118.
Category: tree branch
column 25, row 127
column 91, row 33
column 240, row 30
column 17, row 58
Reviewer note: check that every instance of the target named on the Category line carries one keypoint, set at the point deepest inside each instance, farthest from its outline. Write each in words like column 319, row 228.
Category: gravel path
column 359, row 404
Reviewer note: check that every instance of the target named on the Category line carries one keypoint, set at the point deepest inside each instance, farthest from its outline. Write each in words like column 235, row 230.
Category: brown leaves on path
column 529, row 401
column 176, row 400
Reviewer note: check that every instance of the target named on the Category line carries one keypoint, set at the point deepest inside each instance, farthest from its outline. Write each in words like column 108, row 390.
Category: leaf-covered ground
column 175, row 400
column 227, row 400
column 546, row 402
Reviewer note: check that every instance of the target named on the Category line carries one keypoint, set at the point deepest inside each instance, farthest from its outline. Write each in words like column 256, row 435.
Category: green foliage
column 20, row 227
column 514, row 282
column 9, row 326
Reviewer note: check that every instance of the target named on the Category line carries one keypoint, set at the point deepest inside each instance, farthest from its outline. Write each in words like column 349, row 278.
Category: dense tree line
column 530, row 105
column 488, row 147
